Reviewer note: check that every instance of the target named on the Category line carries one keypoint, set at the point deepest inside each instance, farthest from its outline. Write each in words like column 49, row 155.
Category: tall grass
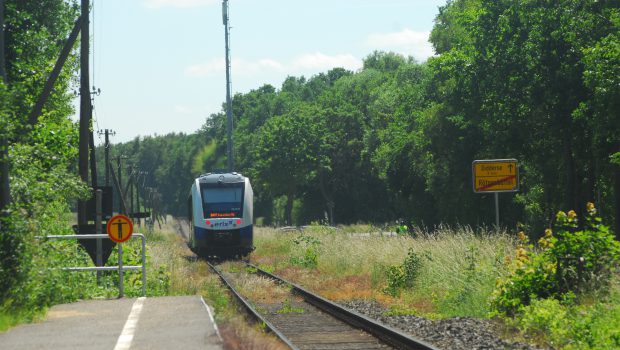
column 456, row 276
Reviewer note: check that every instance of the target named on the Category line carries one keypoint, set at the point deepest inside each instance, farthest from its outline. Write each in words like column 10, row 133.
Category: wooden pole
column 85, row 107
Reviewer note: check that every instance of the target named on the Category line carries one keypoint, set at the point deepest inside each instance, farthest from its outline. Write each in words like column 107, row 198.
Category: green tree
column 41, row 156
column 289, row 152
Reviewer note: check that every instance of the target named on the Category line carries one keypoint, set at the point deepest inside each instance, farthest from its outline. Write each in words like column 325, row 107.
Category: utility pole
column 231, row 162
column 137, row 197
column 121, row 194
column 129, row 189
column 107, row 134
column 85, row 106
column 93, row 160
column 5, row 190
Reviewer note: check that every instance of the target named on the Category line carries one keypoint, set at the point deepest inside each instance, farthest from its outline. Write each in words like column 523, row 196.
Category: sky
column 160, row 63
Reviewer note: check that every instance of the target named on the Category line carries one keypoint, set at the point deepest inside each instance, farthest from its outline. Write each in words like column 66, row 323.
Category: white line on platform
column 217, row 331
column 126, row 337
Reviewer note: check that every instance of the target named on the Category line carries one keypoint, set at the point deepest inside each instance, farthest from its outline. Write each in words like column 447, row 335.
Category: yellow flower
column 572, row 215
column 521, row 254
column 543, row 242
column 548, row 233
column 522, row 236
column 591, row 209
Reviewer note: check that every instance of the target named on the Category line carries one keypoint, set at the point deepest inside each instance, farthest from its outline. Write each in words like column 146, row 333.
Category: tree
column 289, row 152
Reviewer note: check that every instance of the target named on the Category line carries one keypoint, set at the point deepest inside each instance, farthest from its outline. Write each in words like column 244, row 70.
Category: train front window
column 222, row 200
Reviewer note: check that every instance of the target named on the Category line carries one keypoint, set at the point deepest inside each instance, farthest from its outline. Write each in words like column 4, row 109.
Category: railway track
column 304, row 320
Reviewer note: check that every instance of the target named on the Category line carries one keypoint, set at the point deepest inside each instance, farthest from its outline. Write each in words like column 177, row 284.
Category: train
column 221, row 215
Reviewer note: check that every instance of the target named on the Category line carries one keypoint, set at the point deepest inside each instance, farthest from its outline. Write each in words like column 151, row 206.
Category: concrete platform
column 142, row 323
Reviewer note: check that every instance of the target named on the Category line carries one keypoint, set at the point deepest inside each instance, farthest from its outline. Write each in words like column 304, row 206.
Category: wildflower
column 522, row 236
column 572, row 215
column 546, row 242
column 560, row 217
column 591, row 209
column 507, row 260
column 521, row 254
column 543, row 242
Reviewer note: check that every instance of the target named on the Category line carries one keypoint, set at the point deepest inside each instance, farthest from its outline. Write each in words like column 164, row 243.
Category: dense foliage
column 568, row 262
column 42, row 156
column 43, row 180
column 532, row 80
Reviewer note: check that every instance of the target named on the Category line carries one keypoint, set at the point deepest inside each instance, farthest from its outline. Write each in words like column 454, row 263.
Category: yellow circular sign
column 119, row 228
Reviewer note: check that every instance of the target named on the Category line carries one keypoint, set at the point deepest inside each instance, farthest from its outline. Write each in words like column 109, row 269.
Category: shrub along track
column 304, row 320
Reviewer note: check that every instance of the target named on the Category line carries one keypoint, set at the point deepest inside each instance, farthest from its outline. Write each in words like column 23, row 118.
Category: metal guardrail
column 120, row 268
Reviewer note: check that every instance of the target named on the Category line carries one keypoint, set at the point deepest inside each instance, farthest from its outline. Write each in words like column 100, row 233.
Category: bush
column 404, row 275
column 307, row 252
column 570, row 261
column 561, row 324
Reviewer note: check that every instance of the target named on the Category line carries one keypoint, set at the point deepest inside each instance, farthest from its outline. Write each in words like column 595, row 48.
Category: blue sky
column 160, row 63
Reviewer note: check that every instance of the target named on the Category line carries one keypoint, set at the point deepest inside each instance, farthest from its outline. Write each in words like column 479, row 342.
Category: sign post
column 119, row 229
column 99, row 262
column 495, row 176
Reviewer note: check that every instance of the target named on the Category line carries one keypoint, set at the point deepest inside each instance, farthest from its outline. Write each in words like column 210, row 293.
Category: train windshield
column 222, row 200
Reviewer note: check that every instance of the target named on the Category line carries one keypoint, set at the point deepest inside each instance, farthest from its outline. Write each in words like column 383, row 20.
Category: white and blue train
column 221, row 214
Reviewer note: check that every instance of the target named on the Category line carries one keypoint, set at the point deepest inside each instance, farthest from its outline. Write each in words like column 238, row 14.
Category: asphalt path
column 120, row 324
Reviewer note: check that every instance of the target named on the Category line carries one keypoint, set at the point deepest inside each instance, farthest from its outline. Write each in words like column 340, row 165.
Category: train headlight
column 238, row 221
column 208, row 222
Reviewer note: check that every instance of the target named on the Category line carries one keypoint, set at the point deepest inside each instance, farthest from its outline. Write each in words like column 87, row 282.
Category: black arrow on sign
column 119, row 226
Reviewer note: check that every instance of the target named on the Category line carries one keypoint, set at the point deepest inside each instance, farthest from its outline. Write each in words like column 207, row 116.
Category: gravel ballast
column 451, row 334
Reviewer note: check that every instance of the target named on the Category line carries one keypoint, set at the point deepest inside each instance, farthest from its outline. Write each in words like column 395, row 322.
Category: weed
column 570, row 326
column 287, row 308
column 308, row 251
column 267, row 268
column 400, row 310
column 569, row 261
column 404, row 275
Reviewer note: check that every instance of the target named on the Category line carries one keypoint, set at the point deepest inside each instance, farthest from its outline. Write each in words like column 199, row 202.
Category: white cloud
column 301, row 65
column 321, row 62
column 406, row 42
column 247, row 68
column 206, row 69
column 181, row 109
column 155, row 4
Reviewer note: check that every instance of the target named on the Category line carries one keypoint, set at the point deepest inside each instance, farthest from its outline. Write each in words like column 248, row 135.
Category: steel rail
column 251, row 311
column 387, row 334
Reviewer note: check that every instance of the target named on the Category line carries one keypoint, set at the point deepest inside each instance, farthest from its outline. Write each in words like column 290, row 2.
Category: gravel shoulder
column 458, row 333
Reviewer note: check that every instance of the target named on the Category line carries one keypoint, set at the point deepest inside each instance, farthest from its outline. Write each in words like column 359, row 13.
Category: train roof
column 221, row 177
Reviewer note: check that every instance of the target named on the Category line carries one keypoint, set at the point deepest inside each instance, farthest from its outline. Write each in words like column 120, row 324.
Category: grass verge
column 454, row 273
column 440, row 274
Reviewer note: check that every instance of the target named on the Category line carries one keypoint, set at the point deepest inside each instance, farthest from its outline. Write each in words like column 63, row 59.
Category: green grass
column 456, row 277
column 454, row 274
column 591, row 323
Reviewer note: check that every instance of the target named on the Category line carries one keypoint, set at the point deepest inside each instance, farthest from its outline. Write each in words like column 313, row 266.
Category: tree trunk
column 571, row 184
column 617, row 201
column 288, row 212
column 329, row 202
